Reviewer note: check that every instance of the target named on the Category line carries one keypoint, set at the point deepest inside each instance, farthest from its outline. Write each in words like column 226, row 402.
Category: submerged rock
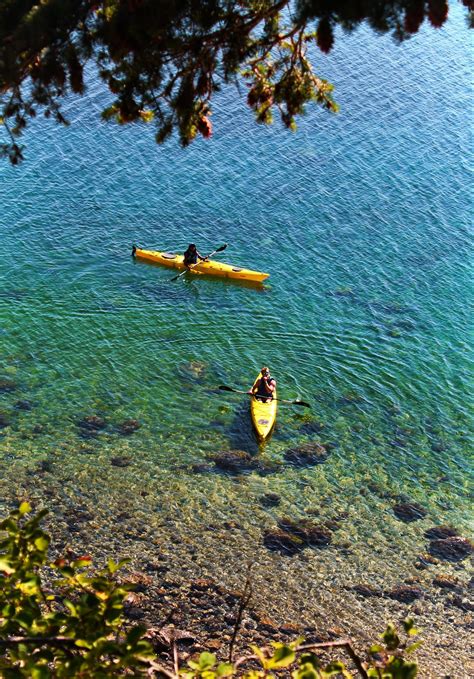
column 4, row 421
column 424, row 561
column 203, row 584
column 199, row 467
column 7, row 386
column 463, row 603
column 441, row 532
column 332, row 524
column 239, row 461
column 313, row 534
column 141, row 581
column 23, row 405
column 307, row 454
column 279, row 540
column 128, row 427
column 291, row 629
column 446, row 581
column 234, row 460
column 44, row 466
column 451, row 549
column 120, row 461
column 133, row 612
column 231, row 525
column 270, row 500
column 267, row 467
column 438, row 446
column 406, row 594
column 409, row 511
column 367, row 590
column 92, row 423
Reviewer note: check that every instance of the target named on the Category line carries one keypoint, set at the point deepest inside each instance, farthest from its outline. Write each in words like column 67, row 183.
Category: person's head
column 192, row 247
column 265, row 371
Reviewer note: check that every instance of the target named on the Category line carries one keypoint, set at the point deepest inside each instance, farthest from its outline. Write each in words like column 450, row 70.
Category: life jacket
column 190, row 257
column 261, row 389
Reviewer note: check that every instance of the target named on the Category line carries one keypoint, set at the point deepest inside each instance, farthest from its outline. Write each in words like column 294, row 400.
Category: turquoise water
column 363, row 221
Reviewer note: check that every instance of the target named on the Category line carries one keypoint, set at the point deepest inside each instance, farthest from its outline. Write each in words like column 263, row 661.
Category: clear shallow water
column 363, row 221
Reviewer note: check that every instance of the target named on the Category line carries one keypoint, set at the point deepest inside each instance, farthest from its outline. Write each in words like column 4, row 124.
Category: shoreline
column 189, row 573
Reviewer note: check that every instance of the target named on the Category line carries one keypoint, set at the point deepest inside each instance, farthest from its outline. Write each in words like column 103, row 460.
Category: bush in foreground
column 75, row 626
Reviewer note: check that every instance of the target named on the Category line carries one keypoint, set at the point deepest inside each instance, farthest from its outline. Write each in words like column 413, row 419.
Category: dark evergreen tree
column 164, row 60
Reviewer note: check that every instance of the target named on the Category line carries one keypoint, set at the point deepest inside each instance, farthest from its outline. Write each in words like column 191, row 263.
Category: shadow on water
column 280, row 433
column 215, row 280
column 240, row 433
column 14, row 295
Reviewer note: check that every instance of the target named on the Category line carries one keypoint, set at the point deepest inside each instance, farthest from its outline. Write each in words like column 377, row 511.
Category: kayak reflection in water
column 191, row 256
column 264, row 387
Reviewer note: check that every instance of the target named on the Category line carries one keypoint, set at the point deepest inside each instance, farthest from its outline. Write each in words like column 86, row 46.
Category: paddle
column 297, row 402
column 175, row 278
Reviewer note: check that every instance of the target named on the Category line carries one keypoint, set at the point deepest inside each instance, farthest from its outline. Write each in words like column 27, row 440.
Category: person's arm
column 254, row 388
column 270, row 385
column 203, row 259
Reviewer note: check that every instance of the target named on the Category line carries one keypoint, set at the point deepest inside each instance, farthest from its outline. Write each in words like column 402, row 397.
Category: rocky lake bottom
column 336, row 546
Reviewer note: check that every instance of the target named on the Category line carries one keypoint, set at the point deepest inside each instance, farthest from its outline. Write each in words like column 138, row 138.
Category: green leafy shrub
column 386, row 662
column 75, row 631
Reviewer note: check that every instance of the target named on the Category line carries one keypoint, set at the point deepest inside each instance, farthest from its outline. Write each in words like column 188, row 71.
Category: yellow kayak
column 211, row 268
column 263, row 414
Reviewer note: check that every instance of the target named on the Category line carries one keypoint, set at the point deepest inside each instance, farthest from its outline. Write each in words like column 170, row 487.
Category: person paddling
column 265, row 386
column 191, row 256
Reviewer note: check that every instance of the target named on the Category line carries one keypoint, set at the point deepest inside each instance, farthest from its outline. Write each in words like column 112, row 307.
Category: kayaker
column 191, row 256
column 265, row 386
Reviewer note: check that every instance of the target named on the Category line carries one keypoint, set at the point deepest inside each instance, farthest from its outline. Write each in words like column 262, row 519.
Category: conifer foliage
column 163, row 60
